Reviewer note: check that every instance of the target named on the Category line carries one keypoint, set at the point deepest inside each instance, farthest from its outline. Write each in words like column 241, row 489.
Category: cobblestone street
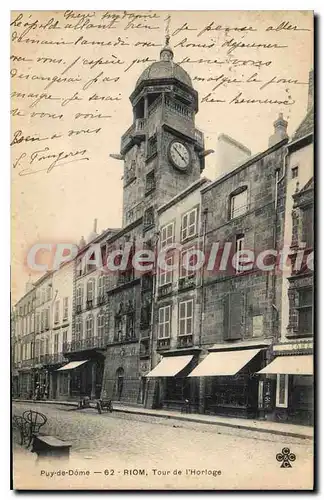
column 116, row 447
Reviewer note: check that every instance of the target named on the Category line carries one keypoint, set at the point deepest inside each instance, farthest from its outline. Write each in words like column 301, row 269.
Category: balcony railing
column 89, row 304
column 26, row 363
column 57, row 358
column 122, row 337
column 137, row 129
column 185, row 341
column 180, row 109
column 187, row 282
column 85, row 344
column 101, row 300
column 163, row 343
column 164, row 290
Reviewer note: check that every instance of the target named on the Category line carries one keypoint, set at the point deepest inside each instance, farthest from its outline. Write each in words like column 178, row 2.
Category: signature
column 41, row 156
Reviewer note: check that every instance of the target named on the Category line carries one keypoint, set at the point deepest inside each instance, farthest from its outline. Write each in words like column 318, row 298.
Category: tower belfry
column 162, row 147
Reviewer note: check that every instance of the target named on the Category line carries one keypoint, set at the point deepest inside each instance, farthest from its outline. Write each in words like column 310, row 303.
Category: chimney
column 280, row 131
column 82, row 242
column 95, row 225
column 229, row 154
column 310, row 102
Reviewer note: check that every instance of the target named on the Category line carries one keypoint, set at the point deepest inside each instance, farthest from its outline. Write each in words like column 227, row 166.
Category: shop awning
column 170, row 366
column 72, row 365
column 224, row 363
column 290, row 365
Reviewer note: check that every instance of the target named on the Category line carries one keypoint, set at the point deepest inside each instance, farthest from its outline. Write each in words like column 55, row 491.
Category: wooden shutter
column 232, row 316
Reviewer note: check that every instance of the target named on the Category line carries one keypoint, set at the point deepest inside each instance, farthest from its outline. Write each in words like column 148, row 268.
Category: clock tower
column 162, row 149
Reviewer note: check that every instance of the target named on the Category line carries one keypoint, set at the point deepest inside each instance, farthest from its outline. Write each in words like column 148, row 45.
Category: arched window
column 89, row 326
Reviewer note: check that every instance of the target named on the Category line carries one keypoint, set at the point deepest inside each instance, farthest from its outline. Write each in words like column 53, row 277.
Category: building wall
column 228, row 155
column 303, row 159
column 62, row 288
column 173, row 215
column 257, row 293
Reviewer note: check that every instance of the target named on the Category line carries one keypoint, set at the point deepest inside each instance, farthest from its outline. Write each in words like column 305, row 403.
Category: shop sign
column 293, row 347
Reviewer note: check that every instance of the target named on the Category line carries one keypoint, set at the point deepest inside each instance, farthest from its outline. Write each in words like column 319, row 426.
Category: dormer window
column 238, row 202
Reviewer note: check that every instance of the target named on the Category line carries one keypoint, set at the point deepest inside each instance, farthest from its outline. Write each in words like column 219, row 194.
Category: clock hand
column 179, row 154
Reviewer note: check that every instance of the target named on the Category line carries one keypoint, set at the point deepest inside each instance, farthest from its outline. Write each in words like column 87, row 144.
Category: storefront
column 80, row 378
column 231, row 387
column 291, row 374
column 173, row 387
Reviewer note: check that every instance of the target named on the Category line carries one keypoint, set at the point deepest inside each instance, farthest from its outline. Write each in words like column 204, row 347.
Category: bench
column 50, row 446
column 104, row 404
column 29, row 425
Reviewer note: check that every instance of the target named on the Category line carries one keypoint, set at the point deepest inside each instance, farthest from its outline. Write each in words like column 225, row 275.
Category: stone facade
column 256, row 292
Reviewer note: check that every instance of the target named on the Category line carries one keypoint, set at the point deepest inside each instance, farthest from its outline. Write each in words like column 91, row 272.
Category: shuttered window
column 233, row 316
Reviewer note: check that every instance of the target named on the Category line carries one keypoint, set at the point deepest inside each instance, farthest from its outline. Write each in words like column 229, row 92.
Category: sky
column 60, row 205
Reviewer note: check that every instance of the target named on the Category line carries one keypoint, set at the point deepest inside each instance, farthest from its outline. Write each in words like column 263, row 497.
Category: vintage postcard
column 162, row 250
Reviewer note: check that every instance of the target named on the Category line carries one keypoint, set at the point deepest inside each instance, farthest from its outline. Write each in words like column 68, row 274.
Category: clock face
column 179, row 155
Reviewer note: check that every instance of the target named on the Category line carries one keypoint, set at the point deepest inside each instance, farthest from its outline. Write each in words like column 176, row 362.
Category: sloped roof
column 306, row 126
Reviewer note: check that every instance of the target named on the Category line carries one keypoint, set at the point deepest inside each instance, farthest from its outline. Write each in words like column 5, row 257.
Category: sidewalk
column 282, row 429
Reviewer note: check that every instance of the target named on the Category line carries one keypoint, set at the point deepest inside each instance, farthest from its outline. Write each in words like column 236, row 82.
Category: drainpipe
column 201, row 401
column 202, row 303
column 154, row 286
column 274, row 279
